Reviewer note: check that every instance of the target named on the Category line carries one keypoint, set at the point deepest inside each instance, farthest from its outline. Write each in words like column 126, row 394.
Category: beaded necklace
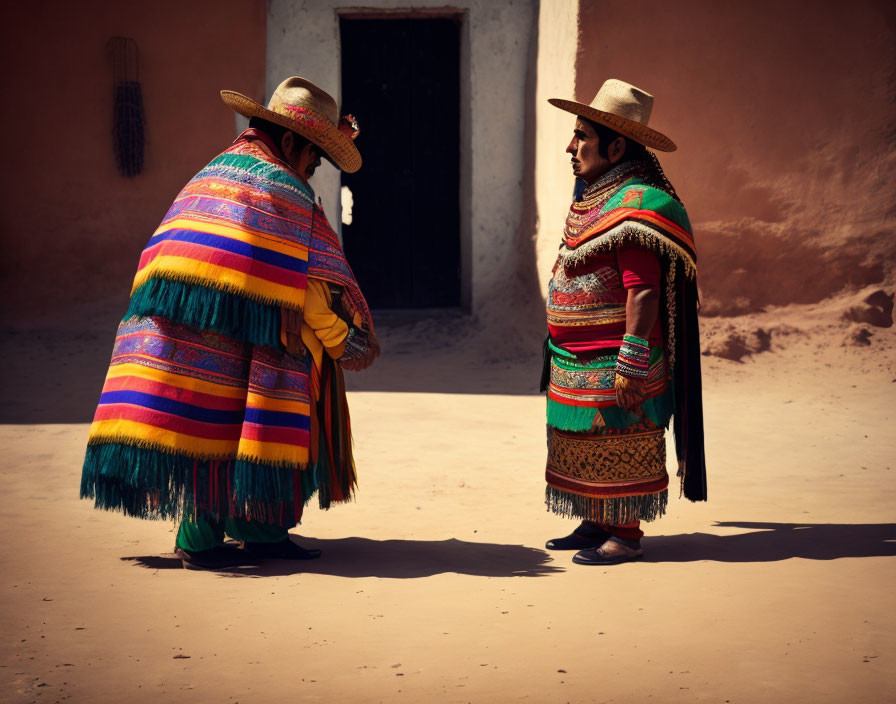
column 584, row 212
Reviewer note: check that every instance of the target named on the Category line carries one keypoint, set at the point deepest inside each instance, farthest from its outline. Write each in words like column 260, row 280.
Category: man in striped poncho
column 224, row 405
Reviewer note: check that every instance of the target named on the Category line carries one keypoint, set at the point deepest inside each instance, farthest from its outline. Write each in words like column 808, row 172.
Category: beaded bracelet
column 634, row 357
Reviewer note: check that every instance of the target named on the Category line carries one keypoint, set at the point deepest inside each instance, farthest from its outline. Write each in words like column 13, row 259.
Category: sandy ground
column 434, row 585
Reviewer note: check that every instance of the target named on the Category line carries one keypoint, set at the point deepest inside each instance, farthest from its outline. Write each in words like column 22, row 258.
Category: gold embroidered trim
column 608, row 458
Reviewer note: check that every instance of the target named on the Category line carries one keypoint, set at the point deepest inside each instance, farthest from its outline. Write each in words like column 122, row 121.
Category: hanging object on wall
column 128, row 114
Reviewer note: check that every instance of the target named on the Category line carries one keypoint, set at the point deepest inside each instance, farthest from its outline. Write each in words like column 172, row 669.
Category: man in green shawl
column 622, row 356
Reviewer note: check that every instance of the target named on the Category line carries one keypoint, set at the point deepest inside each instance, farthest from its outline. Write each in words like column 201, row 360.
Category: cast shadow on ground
column 393, row 559
column 770, row 542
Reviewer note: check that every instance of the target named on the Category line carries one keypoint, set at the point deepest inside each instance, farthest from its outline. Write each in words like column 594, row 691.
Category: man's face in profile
column 587, row 163
column 305, row 160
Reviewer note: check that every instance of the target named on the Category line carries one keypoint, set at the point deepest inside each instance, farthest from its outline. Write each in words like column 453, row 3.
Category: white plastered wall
column 557, row 44
column 303, row 39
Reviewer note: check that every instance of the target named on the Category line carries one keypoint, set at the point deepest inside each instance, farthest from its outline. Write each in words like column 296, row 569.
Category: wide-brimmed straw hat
column 302, row 107
column 624, row 108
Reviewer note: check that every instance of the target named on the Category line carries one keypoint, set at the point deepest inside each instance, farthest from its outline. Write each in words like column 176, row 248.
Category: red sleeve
column 639, row 267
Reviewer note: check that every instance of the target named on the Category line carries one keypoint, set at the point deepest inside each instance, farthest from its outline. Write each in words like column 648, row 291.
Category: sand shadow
column 392, row 559
column 770, row 542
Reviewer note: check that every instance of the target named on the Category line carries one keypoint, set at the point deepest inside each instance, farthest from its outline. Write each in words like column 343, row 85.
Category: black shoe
column 219, row 557
column 284, row 550
column 585, row 536
column 612, row 552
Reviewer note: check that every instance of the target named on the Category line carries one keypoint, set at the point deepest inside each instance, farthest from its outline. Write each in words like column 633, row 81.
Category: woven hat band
column 306, row 116
column 302, row 107
column 301, row 99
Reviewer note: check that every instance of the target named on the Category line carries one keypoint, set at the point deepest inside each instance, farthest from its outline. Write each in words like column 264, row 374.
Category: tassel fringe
column 198, row 306
column 615, row 511
column 630, row 233
column 335, row 467
column 149, row 483
column 572, row 418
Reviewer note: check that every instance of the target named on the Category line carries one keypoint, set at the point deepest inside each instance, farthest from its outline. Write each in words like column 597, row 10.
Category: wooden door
column 401, row 79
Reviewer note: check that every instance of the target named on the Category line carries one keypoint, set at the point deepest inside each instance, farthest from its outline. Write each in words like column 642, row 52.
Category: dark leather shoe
column 219, row 557
column 612, row 552
column 284, row 550
column 581, row 538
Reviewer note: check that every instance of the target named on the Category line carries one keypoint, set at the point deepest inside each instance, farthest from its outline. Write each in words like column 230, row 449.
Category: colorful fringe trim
column 148, row 483
column 203, row 308
column 335, row 465
column 615, row 511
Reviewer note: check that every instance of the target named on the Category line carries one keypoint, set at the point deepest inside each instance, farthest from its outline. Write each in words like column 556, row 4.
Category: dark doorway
column 401, row 79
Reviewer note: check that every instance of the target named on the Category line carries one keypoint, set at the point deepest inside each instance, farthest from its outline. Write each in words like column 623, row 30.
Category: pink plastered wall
column 783, row 112
column 73, row 227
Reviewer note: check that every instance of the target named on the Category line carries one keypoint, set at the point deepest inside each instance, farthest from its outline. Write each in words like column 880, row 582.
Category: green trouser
column 203, row 534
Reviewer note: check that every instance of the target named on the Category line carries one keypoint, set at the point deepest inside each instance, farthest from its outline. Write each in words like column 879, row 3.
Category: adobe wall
column 783, row 112
column 783, row 117
column 73, row 227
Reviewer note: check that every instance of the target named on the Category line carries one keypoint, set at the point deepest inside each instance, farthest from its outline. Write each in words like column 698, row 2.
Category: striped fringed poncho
column 202, row 411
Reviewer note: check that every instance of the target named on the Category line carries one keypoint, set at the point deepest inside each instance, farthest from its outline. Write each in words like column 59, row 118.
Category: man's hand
column 361, row 349
column 630, row 393
column 632, row 370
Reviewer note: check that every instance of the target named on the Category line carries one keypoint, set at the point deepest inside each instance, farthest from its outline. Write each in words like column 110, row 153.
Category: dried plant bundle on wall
column 128, row 115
